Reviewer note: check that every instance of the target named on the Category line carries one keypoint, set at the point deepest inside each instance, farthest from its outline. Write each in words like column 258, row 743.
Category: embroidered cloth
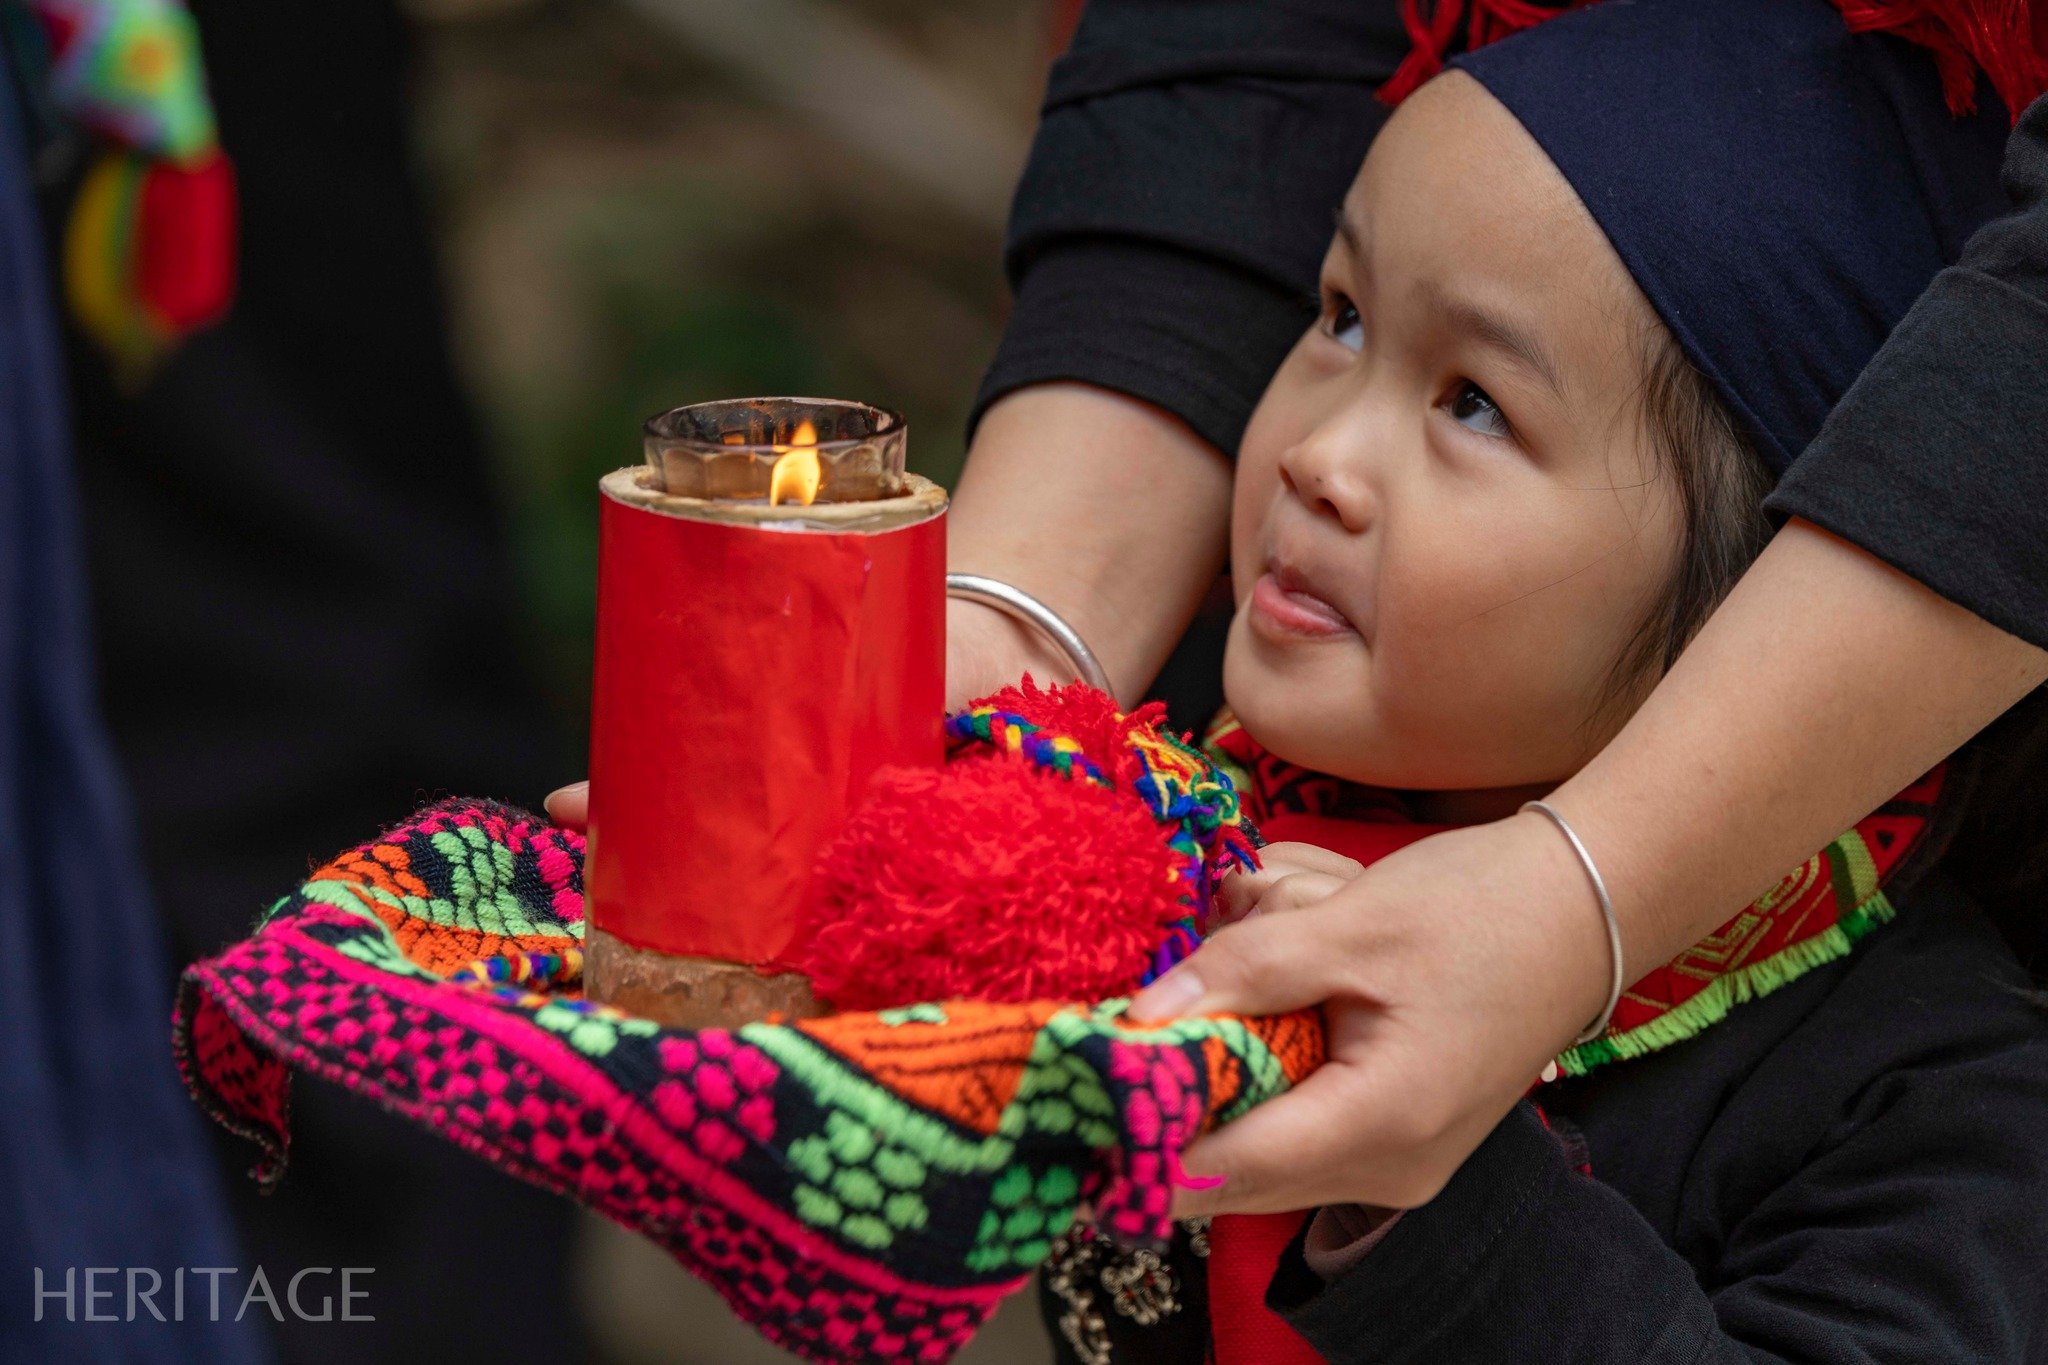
column 862, row 1187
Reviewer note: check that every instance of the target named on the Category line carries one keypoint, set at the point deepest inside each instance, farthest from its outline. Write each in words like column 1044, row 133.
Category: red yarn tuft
column 1433, row 27
column 990, row 880
column 2005, row 39
column 2002, row 38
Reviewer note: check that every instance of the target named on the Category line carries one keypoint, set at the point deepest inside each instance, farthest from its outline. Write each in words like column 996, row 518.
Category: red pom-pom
column 990, row 880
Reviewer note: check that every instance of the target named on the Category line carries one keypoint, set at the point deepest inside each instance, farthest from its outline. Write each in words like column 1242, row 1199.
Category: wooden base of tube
column 689, row 992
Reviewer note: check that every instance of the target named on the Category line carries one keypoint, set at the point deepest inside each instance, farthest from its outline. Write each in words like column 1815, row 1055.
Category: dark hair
column 1721, row 486
column 1992, row 834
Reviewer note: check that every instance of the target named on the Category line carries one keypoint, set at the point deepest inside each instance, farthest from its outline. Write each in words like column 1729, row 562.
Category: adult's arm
column 1163, row 249
column 1451, row 971
column 1827, row 681
column 1102, row 504
column 1937, row 459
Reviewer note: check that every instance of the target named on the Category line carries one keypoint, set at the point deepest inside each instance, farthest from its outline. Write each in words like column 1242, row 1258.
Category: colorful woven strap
column 1185, row 790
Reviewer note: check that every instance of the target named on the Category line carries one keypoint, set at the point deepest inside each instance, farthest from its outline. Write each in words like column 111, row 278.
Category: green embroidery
column 1026, row 1211
column 850, row 1176
column 480, row 875
column 356, row 898
column 593, row 1032
column 864, row 1174
column 913, row 1014
column 374, row 947
column 1852, row 872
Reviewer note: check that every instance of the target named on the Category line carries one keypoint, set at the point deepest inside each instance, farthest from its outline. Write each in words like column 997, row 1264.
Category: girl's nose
column 1325, row 469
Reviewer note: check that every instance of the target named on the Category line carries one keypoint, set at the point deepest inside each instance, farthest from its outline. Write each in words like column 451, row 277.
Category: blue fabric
column 1781, row 189
column 102, row 1161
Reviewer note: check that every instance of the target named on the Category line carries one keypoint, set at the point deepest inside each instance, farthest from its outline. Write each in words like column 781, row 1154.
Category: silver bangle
column 1022, row 606
column 1599, row 1025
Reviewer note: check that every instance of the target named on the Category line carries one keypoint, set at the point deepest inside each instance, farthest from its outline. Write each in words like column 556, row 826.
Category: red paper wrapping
column 748, row 683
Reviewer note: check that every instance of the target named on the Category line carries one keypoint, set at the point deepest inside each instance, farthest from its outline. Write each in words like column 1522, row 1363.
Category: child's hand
column 1448, row 973
column 1289, row 877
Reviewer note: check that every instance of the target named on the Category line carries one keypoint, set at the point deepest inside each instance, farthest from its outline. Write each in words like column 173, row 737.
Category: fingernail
column 573, row 789
column 1167, row 997
column 1199, row 1182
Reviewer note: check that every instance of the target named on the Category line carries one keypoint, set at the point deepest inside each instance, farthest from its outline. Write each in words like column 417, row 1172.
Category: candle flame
column 797, row 472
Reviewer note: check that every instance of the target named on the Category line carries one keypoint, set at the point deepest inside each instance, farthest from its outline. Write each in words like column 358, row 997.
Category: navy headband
column 1780, row 188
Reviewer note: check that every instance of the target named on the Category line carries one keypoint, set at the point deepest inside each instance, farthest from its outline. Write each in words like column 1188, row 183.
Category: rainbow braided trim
column 1178, row 783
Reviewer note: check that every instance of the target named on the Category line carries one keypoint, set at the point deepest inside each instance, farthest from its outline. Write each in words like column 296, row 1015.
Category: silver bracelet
column 1022, row 606
column 1599, row 1025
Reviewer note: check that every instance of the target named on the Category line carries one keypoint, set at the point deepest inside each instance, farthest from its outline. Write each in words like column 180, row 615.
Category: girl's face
column 1448, row 521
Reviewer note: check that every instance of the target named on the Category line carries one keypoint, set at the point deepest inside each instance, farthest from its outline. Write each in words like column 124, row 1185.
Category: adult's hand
column 1450, row 971
column 1443, row 972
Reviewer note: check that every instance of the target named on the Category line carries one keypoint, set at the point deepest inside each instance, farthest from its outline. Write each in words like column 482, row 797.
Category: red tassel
column 2005, row 39
column 185, row 242
column 1486, row 21
column 2002, row 38
column 1430, row 39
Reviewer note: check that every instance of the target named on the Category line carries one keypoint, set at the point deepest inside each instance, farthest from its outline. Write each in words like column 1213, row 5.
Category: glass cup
column 728, row 449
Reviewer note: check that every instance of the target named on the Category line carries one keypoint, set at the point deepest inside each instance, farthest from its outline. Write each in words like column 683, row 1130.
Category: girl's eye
column 1471, row 408
column 1344, row 324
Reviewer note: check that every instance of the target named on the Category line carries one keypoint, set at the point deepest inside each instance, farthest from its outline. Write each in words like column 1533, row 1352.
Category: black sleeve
column 1918, row 1236
column 1166, row 234
column 1936, row 461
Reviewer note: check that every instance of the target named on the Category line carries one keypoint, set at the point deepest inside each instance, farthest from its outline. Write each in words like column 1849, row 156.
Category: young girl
column 1589, row 295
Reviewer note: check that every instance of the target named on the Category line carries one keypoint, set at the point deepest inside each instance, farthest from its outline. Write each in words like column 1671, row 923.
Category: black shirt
column 1853, row 1168
column 1167, row 232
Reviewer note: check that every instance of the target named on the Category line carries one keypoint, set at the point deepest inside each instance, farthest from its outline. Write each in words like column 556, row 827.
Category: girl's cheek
column 1256, row 483
column 1462, row 600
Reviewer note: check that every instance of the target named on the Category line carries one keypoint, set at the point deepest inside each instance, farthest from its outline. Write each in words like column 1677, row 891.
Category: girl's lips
column 1289, row 611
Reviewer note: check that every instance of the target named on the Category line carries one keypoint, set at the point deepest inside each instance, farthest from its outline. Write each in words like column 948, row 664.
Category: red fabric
column 185, row 242
column 1244, row 1251
column 1805, row 903
column 1295, row 805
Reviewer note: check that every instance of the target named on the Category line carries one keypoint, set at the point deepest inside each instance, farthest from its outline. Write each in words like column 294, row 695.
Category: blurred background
column 343, row 544
column 642, row 203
